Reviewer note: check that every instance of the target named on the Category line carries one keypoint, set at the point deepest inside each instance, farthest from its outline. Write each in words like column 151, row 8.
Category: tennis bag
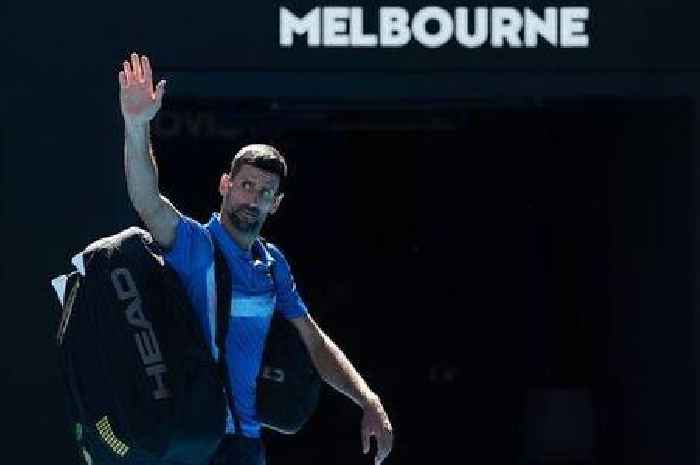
column 288, row 385
column 142, row 384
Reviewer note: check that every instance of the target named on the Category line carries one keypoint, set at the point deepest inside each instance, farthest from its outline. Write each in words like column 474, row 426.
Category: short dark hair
column 262, row 156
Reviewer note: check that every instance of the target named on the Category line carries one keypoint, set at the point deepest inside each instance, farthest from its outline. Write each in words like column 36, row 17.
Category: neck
column 245, row 241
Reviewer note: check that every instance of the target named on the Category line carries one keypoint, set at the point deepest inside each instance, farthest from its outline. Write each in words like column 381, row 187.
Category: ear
column 276, row 203
column 224, row 184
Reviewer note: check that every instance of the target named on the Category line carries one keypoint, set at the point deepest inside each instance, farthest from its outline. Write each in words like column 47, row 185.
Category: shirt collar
column 258, row 250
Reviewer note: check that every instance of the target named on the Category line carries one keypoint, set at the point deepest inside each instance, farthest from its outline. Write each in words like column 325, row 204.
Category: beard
column 245, row 219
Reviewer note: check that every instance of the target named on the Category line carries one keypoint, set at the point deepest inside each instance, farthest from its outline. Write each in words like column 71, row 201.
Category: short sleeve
column 289, row 302
column 192, row 248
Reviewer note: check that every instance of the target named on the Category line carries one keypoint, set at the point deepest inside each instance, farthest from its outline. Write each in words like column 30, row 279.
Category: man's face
column 249, row 197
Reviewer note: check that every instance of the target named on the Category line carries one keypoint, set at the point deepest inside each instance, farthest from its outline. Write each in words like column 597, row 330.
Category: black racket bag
column 142, row 384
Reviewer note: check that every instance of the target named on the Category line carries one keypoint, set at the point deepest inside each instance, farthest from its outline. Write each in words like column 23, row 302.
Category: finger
column 365, row 440
column 160, row 91
column 379, row 458
column 389, row 432
column 386, row 449
column 382, row 447
column 122, row 79
column 146, row 70
column 127, row 73
column 136, row 67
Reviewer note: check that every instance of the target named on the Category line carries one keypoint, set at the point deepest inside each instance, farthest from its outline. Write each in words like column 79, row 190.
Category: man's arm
column 139, row 104
column 336, row 370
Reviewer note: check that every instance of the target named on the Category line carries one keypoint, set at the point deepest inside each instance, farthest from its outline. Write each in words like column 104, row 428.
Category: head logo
column 497, row 27
column 145, row 337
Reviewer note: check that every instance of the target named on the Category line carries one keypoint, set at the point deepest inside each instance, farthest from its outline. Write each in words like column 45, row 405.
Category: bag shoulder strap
column 223, row 296
column 223, row 311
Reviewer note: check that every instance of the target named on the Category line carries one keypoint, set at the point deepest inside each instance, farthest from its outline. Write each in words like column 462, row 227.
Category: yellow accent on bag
column 108, row 436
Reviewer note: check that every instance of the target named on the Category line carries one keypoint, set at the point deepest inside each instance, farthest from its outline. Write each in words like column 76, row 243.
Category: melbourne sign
column 432, row 26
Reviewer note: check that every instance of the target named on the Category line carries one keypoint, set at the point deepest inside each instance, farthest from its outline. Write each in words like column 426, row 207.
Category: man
column 250, row 192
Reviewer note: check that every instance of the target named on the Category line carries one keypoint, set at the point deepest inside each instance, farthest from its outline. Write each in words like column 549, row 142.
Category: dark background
column 502, row 241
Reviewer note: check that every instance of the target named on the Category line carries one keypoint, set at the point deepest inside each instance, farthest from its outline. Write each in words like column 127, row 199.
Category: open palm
column 139, row 102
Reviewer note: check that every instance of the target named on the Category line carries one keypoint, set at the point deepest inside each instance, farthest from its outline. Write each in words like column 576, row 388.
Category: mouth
column 248, row 215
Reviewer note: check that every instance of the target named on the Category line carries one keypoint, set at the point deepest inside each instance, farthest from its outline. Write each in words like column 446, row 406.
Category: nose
column 251, row 198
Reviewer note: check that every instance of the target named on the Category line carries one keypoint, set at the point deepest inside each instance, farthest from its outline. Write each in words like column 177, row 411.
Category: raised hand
column 139, row 102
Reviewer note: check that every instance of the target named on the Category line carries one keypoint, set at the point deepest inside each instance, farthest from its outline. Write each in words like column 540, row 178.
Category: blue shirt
column 254, row 297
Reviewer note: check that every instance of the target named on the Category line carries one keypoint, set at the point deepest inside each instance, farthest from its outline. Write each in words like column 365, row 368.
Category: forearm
column 141, row 170
column 335, row 369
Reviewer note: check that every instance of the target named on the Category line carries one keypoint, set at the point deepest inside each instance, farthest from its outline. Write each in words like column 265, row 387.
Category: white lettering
column 124, row 284
column 135, row 316
column 146, row 340
column 148, row 347
column 481, row 27
column 432, row 27
column 445, row 26
column 506, row 22
column 290, row 25
column 393, row 26
column 572, row 24
column 536, row 26
column 335, row 26
column 358, row 38
column 156, row 371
